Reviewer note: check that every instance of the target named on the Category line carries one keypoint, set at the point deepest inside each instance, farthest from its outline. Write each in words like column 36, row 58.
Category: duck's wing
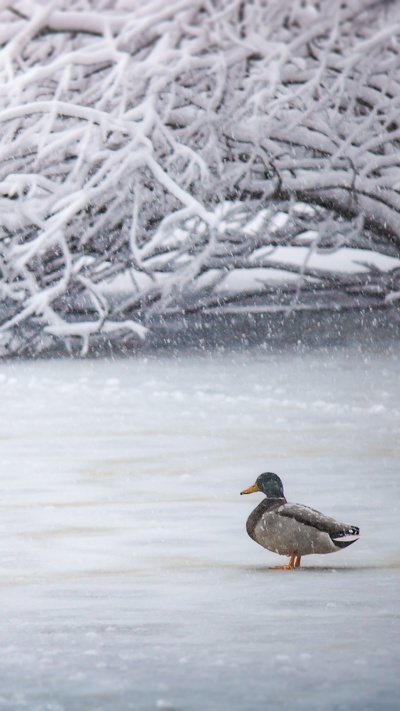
column 310, row 517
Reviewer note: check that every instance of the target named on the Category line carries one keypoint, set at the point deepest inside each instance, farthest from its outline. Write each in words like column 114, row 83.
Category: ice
column 127, row 578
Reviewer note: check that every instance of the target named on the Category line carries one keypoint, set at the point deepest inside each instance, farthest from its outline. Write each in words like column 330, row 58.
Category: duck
column 293, row 530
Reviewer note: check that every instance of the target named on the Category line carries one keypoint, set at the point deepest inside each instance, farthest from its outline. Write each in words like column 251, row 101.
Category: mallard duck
column 293, row 529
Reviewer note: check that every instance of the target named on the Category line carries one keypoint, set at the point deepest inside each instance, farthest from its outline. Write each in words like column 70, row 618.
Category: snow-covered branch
column 159, row 157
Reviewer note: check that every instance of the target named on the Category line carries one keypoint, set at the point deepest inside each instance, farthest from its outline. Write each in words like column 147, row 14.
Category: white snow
column 278, row 221
column 307, row 237
column 303, row 208
column 240, row 281
column 127, row 578
column 346, row 259
column 247, row 280
column 258, row 221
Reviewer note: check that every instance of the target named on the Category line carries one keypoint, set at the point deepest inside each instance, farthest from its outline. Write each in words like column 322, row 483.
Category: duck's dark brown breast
column 255, row 516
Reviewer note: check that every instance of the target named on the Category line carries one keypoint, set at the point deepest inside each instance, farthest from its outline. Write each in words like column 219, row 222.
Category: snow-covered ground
column 127, row 577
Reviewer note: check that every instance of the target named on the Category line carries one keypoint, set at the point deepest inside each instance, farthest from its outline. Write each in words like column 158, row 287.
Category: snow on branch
column 169, row 157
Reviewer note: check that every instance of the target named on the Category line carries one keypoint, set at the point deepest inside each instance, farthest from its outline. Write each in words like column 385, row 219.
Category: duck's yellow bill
column 251, row 489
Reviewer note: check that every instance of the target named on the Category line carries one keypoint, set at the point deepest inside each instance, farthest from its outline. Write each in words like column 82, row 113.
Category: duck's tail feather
column 346, row 538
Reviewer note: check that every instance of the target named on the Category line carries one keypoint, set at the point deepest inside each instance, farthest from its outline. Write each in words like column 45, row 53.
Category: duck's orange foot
column 294, row 562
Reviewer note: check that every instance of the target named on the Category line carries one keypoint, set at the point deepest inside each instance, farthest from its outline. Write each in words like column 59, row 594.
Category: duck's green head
column 270, row 485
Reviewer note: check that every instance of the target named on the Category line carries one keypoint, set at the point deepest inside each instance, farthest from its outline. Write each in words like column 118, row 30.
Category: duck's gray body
column 289, row 529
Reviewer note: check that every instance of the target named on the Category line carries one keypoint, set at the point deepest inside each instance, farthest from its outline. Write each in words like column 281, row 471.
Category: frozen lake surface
column 127, row 577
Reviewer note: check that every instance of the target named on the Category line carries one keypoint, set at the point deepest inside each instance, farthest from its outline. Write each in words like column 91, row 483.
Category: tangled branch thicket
column 159, row 141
